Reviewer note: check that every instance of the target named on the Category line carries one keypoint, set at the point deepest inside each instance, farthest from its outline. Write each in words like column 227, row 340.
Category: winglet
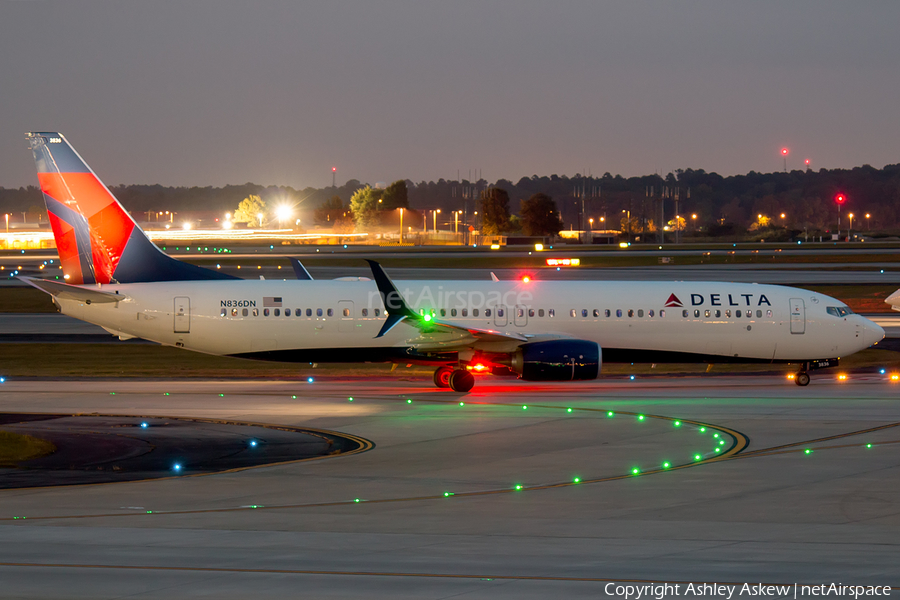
column 394, row 304
column 494, row 277
column 73, row 292
column 299, row 270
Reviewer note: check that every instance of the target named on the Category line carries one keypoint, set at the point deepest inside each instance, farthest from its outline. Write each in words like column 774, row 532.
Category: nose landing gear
column 802, row 379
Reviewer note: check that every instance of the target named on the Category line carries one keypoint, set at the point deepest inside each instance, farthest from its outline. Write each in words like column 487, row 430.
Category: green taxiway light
column 518, row 486
column 524, row 407
column 221, row 395
column 112, row 393
column 721, row 442
column 610, row 414
column 294, row 397
column 717, row 449
column 576, row 480
column 167, row 393
column 408, row 401
column 356, row 499
column 640, row 417
column 462, row 403
column 149, row 512
column 447, row 494
column 350, row 399
column 677, row 423
column 635, row 471
column 666, row 465
column 697, row 457
column 568, row 410
column 868, row 445
column 715, row 435
column 807, row 451
column 702, row 429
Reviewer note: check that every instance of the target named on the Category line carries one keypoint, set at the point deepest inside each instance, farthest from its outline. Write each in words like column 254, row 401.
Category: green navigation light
column 427, row 318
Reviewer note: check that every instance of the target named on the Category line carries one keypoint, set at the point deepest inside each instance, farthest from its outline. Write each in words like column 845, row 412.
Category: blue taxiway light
column 176, row 467
column 309, row 379
column 253, row 443
column 144, row 425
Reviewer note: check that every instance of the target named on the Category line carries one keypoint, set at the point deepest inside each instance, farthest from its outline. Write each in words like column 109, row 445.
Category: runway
column 507, row 495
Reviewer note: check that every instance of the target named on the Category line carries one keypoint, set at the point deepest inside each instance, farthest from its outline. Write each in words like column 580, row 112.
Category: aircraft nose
column 873, row 333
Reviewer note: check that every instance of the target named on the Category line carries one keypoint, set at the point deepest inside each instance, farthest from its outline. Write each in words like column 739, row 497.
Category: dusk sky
column 219, row 91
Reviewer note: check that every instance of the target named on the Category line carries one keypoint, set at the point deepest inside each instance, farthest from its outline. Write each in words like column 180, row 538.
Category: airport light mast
column 840, row 199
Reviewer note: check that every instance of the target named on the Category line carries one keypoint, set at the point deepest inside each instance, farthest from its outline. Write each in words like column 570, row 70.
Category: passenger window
column 277, row 312
column 377, row 312
column 443, row 312
column 630, row 312
column 640, row 313
column 245, row 312
column 465, row 312
column 255, row 312
column 684, row 313
column 737, row 314
column 500, row 312
column 308, row 312
column 728, row 314
column 223, row 312
column 572, row 313
column 596, row 312
column 487, row 312
column 718, row 314
column 365, row 312
column 318, row 312
column 233, row 312
column 330, row 312
column 606, row 313
column 749, row 313
column 346, row 312
column 265, row 312
column 662, row 314
column 287, row 312
column 769, row 313
column 618, row 312
column 520, row 312
column 452, row 312
column 696, row 314
column 651, row 313
column 551, row 312
column 530, row 312
column 540, row 312
column 759, row 314
column 706, row 313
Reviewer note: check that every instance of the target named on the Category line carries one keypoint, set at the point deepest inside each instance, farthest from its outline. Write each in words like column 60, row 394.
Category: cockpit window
column 839, row 311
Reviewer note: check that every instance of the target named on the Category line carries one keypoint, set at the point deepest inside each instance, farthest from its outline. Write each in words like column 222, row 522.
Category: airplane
column 115, row 277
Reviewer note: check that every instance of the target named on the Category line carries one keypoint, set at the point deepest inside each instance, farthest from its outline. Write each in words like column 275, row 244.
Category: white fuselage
column 734, row 320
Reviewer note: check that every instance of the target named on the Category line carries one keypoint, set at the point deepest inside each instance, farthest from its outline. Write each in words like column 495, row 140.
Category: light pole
column 840, row 199
column 867, row 221
column 333, row 175
column 401, row 225
column 434, row 214
column 784, row 153
column 850, row 228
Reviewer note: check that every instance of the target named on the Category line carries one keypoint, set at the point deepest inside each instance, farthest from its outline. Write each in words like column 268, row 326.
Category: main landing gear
column 802, row 379
column 458, row 380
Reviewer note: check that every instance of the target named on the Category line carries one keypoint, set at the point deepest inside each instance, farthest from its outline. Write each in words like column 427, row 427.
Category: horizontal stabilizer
column 73, row 292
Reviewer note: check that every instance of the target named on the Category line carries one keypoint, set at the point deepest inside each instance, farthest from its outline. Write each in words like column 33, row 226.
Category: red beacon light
column 526, row 279
column 784, row 151
column 840, row 198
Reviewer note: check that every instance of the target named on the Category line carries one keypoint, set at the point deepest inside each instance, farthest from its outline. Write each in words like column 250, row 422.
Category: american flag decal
column 272, row 301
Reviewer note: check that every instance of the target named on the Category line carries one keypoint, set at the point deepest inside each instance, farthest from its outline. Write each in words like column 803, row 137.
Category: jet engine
column 557, row 360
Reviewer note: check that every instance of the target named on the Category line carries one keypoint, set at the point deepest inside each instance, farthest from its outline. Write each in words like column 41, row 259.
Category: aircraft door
column 345, row 313
column 798, row 315
column 501, row 318
column 520, row 317
column 182, row 314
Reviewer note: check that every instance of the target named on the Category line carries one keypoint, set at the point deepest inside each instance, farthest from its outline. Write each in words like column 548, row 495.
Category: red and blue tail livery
column 97, row 240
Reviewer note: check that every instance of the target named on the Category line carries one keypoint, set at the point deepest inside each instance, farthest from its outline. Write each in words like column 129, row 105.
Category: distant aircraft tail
column 97, row 240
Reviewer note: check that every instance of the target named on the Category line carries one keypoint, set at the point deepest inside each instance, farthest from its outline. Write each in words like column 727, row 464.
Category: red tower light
column 784, row 151
column 840, row 198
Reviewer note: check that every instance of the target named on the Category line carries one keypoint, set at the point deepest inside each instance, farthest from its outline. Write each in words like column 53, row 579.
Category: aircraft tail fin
column 97, row 240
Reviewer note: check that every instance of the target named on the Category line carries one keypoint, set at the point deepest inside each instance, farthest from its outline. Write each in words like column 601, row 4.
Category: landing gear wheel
column 461, row 381
column 442, row 377
column 802, row 379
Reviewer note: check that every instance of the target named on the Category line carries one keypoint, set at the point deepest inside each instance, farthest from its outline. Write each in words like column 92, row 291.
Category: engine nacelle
column 558, row 360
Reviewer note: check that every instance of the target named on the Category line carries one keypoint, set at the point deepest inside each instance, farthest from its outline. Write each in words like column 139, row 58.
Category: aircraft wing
column 398, row 311
column 73, row 292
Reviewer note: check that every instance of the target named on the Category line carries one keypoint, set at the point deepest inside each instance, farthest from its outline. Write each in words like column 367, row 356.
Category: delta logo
column 673, row 302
